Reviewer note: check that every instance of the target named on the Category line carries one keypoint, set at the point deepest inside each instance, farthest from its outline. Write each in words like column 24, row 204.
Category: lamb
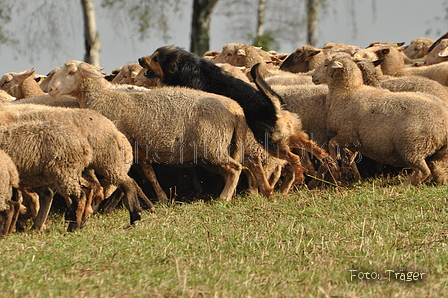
column 387, row 127
column 9, row 183
column 163, row 124
column 273, row 127
column 394, row 65
column 127, row 74
column 111, row 155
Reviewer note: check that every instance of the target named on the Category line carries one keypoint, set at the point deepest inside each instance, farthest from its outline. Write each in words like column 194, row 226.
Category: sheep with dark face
column 400, row 129
column 273, row 126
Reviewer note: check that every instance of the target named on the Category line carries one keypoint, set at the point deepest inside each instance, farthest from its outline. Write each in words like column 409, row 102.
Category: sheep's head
column 340, row 67
column 67, row 79
column 299, row 61
column 127, row 74
column 242, row 55
column 11, row 81
column 438, row 54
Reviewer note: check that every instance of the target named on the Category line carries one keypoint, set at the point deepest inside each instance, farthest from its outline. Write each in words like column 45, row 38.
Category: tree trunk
column 91, row 35
column 200, row 26
column 312, row 9
column 260, row 21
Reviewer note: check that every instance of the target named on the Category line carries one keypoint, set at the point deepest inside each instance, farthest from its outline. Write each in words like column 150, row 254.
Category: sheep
column 127, row 74
column 5, row 97
column 418, row 47
column 163, row 123
column 9, row 183
column 238, row 72
column 438, row 54
column 372, row 77
column 303, row 59
column 243, row 55
column 393, row 64
column 273, row 127
column 111, row 155
column 49, row 154
column 400, row 129
column 21, row 84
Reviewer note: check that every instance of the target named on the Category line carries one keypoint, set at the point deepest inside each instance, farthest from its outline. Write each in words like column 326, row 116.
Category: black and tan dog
column 273, row 126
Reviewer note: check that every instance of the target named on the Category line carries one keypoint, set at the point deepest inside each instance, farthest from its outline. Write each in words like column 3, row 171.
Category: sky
column 375, row 20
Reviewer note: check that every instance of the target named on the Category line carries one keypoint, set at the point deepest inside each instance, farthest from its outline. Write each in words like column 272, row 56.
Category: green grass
column 300, row 245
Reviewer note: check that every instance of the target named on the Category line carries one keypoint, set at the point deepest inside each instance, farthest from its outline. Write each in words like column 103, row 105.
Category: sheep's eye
column 72, row 72
column 229, row 54
column 155, row 59
column 4, row 83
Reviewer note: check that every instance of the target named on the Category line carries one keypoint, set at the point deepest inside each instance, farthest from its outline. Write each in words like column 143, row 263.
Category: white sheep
column 399, row 129
column 49, row 154
column 9, row 180
column 163, row 124
column 111, row 155
column 394, row 65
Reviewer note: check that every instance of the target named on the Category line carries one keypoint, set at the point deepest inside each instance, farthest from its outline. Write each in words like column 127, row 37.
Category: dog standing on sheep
column 273, row 126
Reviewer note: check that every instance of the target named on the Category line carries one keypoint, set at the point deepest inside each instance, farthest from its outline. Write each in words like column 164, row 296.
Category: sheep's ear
column 90, row 71
column 20, row 77
column 337, row 64
column 313, row 53
column 377, row 62
column 241, row 52
column 385, row 51
column 443, row 53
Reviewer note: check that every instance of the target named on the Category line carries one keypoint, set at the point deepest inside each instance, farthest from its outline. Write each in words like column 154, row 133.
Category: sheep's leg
column 15, row 208
column 3, row 215
column 349, row 159
column 45, row 200
column 88, row 208
column 265, row 187
column 130, row 200
column 151, row 175
column 112, row 201
column 7, row 216
column 421, row 171
column 141, row 195
column 231, row 173
column 74, row 213
column 31, row 201
column 288, row 179
column 283, row 152
column 251, row 181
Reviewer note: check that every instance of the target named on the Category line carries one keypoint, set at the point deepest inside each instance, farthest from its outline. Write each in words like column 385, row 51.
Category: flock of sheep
column 280, row 119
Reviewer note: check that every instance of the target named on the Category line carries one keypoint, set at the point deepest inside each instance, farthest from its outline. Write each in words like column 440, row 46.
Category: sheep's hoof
column 135, row 223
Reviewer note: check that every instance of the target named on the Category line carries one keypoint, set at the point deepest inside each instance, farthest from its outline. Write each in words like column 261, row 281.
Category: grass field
column 306, row 244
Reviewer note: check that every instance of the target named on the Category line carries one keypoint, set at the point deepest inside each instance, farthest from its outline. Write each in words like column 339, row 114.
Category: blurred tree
column 200, row 26
column 91, row 35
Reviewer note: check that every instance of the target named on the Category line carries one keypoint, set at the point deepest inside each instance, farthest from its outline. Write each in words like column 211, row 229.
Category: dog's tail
column 276, row 101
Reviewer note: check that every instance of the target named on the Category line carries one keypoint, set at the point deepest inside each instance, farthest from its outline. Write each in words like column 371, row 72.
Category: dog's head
column 164, row 63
